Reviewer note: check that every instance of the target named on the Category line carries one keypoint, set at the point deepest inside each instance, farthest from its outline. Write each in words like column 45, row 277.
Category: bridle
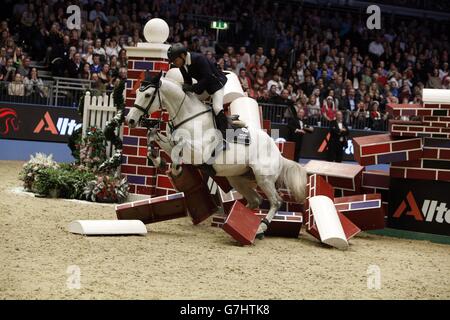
column 156, row 93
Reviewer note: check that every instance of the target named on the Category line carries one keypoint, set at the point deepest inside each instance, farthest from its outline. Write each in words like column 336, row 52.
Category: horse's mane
column 173, row 81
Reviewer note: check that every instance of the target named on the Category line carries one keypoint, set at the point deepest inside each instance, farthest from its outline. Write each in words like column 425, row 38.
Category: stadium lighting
column 219, row 25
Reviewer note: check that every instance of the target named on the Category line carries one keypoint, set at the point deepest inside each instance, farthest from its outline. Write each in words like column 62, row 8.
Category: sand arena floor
column 177, row 260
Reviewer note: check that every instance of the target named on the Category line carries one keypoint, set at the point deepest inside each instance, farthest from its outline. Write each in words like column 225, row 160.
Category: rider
column 209, row 78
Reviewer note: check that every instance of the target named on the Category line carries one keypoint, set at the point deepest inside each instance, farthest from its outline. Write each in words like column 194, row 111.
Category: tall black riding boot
column 222, row 123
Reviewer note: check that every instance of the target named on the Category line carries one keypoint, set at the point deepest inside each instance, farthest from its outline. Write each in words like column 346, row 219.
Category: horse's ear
column 157, row 79
column 147, row 78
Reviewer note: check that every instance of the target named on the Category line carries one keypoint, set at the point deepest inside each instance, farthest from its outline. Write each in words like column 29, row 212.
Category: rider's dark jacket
column 208, row 76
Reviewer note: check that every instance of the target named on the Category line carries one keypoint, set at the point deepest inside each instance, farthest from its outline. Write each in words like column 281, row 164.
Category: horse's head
column 147, row 99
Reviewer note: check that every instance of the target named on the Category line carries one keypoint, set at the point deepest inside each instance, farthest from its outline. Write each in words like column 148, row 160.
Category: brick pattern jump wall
column 136, row 167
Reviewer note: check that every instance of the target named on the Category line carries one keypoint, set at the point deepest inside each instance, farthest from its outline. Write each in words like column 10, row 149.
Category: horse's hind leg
column 267, row 185
column 244, row 186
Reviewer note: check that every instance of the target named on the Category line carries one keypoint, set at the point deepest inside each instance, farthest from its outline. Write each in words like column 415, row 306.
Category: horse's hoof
column 260, row 236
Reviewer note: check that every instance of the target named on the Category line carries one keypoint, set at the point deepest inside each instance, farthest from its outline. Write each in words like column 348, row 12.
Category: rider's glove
column 188, row 87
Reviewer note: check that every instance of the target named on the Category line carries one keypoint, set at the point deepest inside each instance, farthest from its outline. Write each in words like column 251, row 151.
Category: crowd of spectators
column 284, row 53
column 432, row 5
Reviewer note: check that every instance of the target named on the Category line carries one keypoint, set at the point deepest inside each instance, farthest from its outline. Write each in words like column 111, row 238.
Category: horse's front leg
column 152, row 152
column 267, row 185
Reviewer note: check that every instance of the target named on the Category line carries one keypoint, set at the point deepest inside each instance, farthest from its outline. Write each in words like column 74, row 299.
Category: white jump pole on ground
column 107, row 227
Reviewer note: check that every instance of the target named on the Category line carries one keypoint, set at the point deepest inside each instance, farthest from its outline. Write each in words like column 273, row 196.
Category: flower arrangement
column 93, row 176
column 106, row 189
column 66, row 182
column 34, row 167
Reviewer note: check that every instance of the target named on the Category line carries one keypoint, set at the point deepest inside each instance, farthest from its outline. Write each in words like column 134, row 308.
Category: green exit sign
column 220, row 25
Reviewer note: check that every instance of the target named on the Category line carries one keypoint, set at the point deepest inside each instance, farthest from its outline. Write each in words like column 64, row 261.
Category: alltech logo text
column 64, row 126
column 432, row 210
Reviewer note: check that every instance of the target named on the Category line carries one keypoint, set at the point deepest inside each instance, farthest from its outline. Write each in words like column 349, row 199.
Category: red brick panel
column 200, row 202
column 437, row 149
column 436, row 124
column 382, row 148
column 127, row 169
column 228, row 198
column 242, row 224
column 365, row 211
column 400, row 128
column 339, row 175
column 350, row 229
column 437, row 105
column 416, row 110
column 283, row 224
column 287, row 149
column 417, row 173
column 338, row 192
column 154, row 209
column 375, row 179
column 436, row 119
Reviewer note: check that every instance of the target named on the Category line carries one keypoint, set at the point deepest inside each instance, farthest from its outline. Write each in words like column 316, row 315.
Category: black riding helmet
column 175, row 51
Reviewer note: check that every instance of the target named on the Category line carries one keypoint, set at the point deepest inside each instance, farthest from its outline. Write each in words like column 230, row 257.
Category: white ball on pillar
column 156, row 30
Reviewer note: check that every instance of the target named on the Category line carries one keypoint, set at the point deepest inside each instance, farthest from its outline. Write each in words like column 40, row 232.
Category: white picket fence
column 98, row 110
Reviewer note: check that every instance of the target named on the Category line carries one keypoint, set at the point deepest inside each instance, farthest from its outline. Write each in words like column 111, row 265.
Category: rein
column 189, row 119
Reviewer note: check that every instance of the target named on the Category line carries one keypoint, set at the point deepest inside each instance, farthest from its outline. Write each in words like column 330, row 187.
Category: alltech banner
column 420, row 205
column 39, row 123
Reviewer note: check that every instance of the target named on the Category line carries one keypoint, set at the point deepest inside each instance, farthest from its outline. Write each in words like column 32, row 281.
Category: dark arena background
column 351, row 97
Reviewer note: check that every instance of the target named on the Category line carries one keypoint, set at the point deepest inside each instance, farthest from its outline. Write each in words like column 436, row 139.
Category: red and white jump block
column 417, row 110
column 438, row 149
column 366, row 211
column 376, row 181
column 154, row 209
column 287, row 149
column 242, row 224
column 284, row 223
column 228, row 199
column 164, row 186
column 344, row 178
column 382, row 148
column 435, row 120
column 425, row 169
column 321, row 218
column 199, row 201
column 399, row 128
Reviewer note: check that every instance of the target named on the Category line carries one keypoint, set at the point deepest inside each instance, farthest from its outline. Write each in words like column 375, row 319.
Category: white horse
column 245, row 166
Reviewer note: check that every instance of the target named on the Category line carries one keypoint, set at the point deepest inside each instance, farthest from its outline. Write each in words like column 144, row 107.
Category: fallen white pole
column 107, row 227
column 327, row 222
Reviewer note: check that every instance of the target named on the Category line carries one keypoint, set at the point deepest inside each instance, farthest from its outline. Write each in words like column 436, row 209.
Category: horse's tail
column 293, row 177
